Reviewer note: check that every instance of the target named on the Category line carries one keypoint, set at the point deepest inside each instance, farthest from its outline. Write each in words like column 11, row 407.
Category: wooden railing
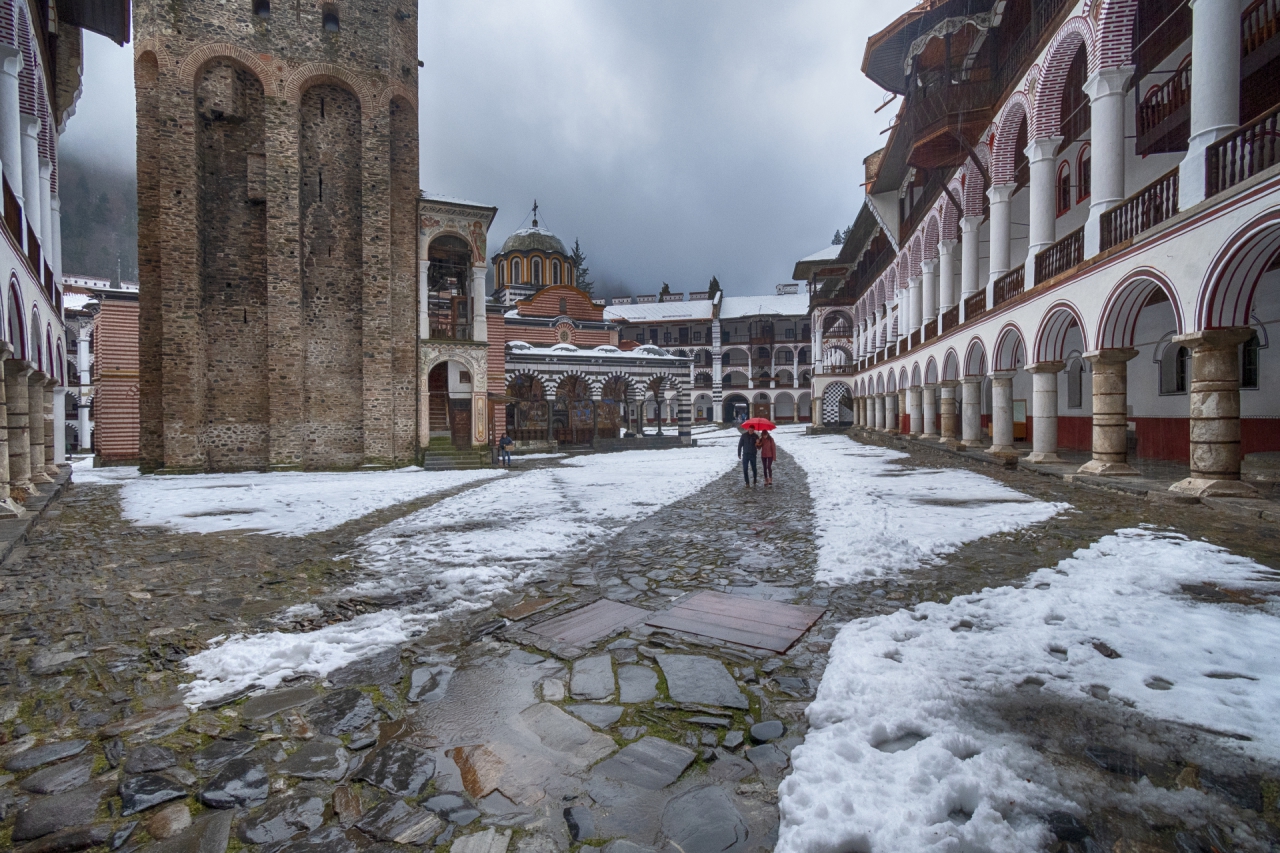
column 1061, row 256
column 930, row 330
column 1008, row 285
column 33, row 248
column 1145, row 209
column 1259, row 23
column 1249, row 150
column 838, row 369
column 950, row 318
column 446, row 330
column 12, row 214
column 915, row 339
column 48, row 286
column 975, row 305
column 1164, row 116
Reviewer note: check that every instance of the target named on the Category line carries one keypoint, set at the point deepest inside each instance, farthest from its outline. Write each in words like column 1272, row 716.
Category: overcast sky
column 676, row 140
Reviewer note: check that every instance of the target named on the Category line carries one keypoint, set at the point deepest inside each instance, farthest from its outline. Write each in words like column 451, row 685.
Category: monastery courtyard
column 398, row 660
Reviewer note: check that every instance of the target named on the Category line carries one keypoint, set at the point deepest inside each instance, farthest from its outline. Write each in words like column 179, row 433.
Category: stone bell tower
column 277, row 185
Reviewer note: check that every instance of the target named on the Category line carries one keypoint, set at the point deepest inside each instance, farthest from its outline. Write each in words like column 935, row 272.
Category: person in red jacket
column 768, row 452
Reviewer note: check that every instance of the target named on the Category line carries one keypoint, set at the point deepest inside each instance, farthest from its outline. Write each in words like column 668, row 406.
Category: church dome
column 533, row 239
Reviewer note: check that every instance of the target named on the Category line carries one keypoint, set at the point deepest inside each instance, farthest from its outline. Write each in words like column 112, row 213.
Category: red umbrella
column 761, row 424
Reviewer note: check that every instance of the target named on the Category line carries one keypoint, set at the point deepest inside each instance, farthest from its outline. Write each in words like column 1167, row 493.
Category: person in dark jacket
column 747, row 453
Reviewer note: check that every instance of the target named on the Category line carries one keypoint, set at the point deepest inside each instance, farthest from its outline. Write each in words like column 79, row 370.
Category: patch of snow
column 905, row 516
column 285, row 503
column 517, row 456
column 83, row 473
column 300, row 611
column 456, row 555
column 898, row 757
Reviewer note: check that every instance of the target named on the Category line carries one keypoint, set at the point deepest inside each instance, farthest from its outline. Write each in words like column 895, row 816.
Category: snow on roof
column 563, row 351
column 829, row 253
column 77, row 301
column 788, row 305
column 661, row 312
column 448, row 199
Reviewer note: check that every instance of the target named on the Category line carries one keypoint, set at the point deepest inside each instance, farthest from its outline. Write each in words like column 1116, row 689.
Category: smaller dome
column 607, row 348
column 520, row 346
column 564, row 348
column 534, row 239
column 650, row 349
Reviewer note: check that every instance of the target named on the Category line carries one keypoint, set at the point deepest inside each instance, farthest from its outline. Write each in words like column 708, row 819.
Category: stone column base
column 1202, row 487
column 1099, row 468
column 1004, row 450
column 953, row 443
column 9, row 508
column 1038, row 458
column 974, row 444
column 40, row 477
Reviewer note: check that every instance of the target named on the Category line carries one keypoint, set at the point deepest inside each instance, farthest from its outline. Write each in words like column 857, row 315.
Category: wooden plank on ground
column 585, row 625
column 750, row 622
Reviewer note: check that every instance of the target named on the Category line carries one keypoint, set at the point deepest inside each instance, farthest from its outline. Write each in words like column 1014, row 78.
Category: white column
column 929, row 411
column 59, row 425
column 1044, row 411
column 424, row 316
column 55, row 207
column 915, row 303
column 969, row 227
column 929, row 291
column 31, row 170
column 1002, row 412
column 10, row 111
column 1000, row 196
column 891, row 419
column 914, row 410
column 1215, row 88
column 1044, row 210
column 971, row 413
column 946, row 277
column 880, row 406
column 1106, row 91
column 479, row 324
column 86, row 441
column 45, row 231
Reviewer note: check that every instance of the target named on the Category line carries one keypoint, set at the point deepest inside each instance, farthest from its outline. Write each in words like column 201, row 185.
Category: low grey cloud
column 675, row 140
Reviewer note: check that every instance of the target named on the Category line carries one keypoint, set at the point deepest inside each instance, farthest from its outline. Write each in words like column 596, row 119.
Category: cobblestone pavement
column 479, row 736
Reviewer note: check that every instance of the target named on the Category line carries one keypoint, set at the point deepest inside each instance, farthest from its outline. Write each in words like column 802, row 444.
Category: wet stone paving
column 524, row 727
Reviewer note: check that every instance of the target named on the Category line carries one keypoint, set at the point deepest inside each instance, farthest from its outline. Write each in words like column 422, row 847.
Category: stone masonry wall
column 314, row 374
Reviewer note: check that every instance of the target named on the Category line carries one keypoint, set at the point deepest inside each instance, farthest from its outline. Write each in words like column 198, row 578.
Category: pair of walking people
column 749, row 444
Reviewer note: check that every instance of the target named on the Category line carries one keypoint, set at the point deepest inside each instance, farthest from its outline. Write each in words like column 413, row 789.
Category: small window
column 697, row 337
column 1075, row 385
column 1064, row 188
column 329, row 18
column 1249, row 359
column 1175, row 365
column 564, row 303
column 536, row 267
column 789, row 334
column 515, row 271
column 555, row 272
column 262, row 8
column 639, row 337
column 1083, row 187
column 653, row 336
column 666, row 337
column 464, row 377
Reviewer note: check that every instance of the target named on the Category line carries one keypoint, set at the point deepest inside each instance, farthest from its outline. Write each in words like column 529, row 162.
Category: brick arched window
column 1064, row 188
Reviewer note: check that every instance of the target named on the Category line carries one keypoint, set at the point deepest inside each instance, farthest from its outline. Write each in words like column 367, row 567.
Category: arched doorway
column 611, row 414
column 761, row 407
column 735, row 408
column 574, row 413
column 527, row 418
column 449, row 387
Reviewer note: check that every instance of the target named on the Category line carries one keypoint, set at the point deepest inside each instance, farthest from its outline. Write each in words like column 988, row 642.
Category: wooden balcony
column 975, row 305
column 1249, row 150
column 1259, row 26
column 930, row 330
column 1145, row 209
column 1008, row 285
column 950, row 318
column 1061, row 256
column 915, row 339
column 1164, row 116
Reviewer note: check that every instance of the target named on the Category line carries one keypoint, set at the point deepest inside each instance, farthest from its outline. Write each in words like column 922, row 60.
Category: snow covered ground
column 284, row 503
column 457, row 554
column 899, row 758
column 904, row 516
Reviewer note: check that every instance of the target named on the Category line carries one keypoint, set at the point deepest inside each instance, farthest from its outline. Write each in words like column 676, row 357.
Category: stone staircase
column 441, row 455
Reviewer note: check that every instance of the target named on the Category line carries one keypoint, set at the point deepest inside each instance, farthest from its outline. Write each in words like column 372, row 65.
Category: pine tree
column 666, row 291
column 713, row 288
column 837, row 240
column 579, row 261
